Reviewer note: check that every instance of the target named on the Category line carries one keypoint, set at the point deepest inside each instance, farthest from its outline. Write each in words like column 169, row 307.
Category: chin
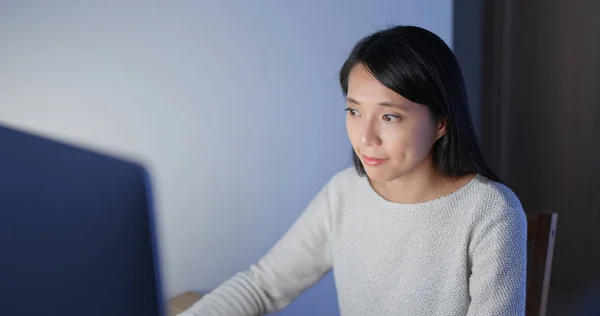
column 380, row 174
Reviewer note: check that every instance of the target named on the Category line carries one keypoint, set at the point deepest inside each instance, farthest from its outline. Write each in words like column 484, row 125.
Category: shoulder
column 496, row 205
column 495, row 196
column 342, row 183
column 345, row 177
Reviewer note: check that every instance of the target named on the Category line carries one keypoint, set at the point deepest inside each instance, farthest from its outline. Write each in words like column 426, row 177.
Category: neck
column 421, row 184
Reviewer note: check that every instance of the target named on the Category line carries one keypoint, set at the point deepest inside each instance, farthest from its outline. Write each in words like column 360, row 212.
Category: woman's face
column 391, row 135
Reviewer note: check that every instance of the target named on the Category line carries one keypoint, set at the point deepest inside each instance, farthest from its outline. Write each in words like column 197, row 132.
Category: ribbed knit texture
column 461, row 254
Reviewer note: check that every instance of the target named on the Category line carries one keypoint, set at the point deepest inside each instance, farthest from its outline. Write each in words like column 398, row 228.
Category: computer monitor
column 77, row 232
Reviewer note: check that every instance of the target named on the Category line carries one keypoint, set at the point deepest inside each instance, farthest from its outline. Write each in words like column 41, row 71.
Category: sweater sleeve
column 497, row 284
column 297, row 261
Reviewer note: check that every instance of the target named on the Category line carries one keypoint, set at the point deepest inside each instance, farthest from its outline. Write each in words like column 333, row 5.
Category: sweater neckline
column 430, row 204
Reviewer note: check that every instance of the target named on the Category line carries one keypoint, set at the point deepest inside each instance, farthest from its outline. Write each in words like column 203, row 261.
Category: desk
column 182, row 302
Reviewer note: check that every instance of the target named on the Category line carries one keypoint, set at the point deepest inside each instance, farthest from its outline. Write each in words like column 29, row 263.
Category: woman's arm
column 499, row 265
column 297, row 261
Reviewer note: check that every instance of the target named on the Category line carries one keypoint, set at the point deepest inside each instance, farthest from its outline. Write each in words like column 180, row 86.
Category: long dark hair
column 418, row 65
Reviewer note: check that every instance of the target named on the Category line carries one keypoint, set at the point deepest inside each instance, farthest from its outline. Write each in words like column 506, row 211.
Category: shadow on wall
column 582, row 303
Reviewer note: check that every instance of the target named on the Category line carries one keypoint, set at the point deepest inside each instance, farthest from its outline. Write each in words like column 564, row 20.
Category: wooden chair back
column 541, row 231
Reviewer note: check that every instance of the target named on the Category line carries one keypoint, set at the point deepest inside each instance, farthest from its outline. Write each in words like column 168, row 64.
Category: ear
column 441, row 128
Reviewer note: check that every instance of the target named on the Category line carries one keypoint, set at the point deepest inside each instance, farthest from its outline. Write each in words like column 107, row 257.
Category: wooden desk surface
column 182, row 301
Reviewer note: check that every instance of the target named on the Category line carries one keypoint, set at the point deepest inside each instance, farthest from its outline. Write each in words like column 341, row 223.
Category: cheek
column 397, row 141
column 351, row 129
column 407, row 141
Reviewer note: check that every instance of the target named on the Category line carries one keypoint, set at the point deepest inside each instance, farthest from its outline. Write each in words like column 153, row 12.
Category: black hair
column 419, row 66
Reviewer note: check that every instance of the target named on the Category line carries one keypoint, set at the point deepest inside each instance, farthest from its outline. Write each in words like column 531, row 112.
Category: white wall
column 233, row 105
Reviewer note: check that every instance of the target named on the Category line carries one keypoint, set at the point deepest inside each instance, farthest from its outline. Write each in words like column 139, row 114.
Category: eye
column 352, row 112
column 391, row 117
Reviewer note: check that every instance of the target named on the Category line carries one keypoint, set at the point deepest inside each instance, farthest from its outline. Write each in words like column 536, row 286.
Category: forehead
column 364, row 88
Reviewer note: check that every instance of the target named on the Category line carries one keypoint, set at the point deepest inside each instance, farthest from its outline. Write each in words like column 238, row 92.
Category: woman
column 421, row 225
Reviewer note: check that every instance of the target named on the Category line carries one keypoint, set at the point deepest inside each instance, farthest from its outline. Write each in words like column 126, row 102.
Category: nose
column 369, row 135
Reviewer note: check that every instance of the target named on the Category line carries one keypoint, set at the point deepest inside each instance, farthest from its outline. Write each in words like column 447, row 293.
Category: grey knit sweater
column 461, row 254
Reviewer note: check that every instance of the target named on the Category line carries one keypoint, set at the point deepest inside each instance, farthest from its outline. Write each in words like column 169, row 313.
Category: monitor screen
column 77, row 232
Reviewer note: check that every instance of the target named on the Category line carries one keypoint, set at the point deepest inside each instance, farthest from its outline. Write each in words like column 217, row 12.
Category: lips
column 373, row 161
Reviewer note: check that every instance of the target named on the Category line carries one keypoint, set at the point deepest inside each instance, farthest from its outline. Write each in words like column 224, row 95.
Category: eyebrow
column 387, row 104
